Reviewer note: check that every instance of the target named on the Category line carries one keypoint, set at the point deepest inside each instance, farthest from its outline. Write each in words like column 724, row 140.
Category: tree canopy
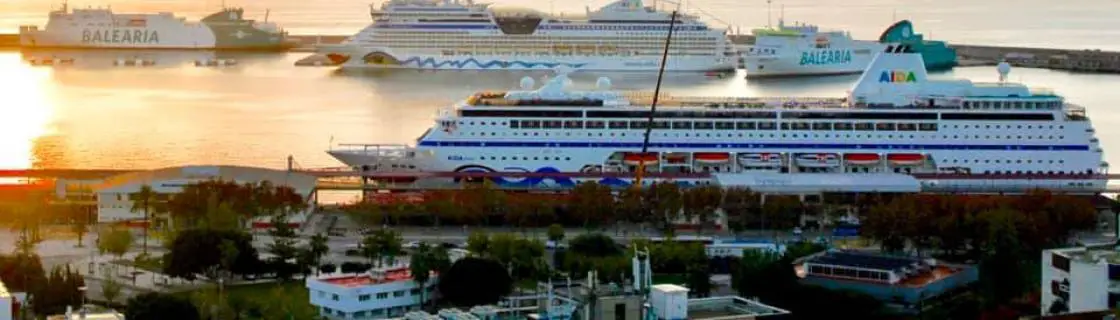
column 475, row 281
column 198, row 252
column 160, row 306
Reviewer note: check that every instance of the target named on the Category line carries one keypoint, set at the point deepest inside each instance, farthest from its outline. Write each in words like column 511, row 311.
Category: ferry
column 101, row 28
column 895, row 130
column 803, row 50
column 624, row 35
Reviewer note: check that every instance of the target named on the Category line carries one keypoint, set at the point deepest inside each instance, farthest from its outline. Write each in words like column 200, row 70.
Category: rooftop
column 351, row 281
column 1112, row 256
column 731, row 307
column 864, row 260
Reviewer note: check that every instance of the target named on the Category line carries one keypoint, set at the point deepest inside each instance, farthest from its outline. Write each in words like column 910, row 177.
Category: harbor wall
column 1058, row 59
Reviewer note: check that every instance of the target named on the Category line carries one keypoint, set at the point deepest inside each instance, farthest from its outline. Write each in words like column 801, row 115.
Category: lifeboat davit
column 711, row 157
column 818, row 160
column 760, row 159
column 861, row 159
column 634, row 158
column 906, row 159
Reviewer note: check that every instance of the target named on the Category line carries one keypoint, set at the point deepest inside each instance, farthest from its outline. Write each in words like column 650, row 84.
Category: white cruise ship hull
column 385, row 60
column 810, row 62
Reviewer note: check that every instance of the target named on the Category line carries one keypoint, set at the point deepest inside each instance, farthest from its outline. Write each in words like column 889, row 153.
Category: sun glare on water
column 25, row 110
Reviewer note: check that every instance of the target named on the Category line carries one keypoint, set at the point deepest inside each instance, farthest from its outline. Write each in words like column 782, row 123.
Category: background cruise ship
column 895, row 127
column 624, row 35
column 102, row 28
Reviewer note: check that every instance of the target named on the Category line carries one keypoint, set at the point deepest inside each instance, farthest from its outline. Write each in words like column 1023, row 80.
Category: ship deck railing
column 375, row 149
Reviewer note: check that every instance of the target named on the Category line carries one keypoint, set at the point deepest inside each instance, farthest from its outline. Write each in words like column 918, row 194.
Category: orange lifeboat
column 711, row 157
column 861, row 159
column 906, row 159
column 635, row 158
column 760, row 159
column 675, row 158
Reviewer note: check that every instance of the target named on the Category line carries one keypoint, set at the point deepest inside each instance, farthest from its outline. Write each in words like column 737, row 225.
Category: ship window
column 884, row 126
column 619, row 124
column 720, row 125
column 594, row 124
column 864, row 126
column 799, row 126
column 661, row 125
column 745, row 125
column 907, row 127
column 785, row 125
column 842, row 126
column 998, row 116
column 638, row 124
column 530, row 124
column 822, row 126
column 766, row 125
column 573, row 124
column 703, row 125
column 553, row 124
column 682, row 125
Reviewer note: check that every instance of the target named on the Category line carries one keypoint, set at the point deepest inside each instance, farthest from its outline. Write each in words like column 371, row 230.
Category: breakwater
column 1058, row 59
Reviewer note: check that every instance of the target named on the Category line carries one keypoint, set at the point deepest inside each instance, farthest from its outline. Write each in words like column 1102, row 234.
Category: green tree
column 475, row 281
column 197, row 252
column 664, row 200
column 114, row 241
column 61, row 289
column 591, row 203
column 110, row 289
column 382, row 246
column 478, row 243
column 143, row 200
column 160, row 306
column 741, row 205
column 420, row 266
column 556, row 233
column 317, row 247
column 701, row 203
column 371, row 248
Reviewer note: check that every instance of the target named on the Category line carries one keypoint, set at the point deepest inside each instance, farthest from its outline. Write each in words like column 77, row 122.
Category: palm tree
column 371, row 248
column 318, row 247
column 143, row 200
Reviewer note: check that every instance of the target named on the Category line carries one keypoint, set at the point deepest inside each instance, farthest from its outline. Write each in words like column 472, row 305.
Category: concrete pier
column 1058, row 59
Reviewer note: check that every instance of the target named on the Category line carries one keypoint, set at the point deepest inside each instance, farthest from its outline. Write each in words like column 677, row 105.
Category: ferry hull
column 793, row 64
column 102, row 29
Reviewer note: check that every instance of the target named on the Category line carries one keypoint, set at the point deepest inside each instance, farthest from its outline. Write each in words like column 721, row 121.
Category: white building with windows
column 114, row 203
column 1076, row 280
column 379, row 294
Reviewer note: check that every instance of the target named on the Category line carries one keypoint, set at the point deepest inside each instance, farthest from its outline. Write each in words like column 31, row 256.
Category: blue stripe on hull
column 459, row 64
column 760, row 145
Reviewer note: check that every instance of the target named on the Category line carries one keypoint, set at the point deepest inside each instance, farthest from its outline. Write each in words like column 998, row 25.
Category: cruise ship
column 101, row 28
column 803, row 50
column 895, row 127
column 624, row 35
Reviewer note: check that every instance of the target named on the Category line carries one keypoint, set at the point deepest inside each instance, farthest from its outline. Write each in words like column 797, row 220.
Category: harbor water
column 93, row 114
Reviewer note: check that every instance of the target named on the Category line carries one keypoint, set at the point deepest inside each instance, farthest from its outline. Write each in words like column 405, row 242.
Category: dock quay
column 346, row 179
column 1057, row 59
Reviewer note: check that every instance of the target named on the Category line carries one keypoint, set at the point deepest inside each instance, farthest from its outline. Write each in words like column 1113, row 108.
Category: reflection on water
column 92, row 114
column 25, row 112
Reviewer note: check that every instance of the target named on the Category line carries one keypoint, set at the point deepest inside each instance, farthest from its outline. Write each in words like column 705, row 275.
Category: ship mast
column 653, row 105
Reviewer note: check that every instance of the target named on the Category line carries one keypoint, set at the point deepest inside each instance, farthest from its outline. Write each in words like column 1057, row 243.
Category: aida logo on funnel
column 897, row 76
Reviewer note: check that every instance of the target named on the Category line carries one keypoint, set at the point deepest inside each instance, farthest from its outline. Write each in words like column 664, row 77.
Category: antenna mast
column 769, row 20
column 653, row 105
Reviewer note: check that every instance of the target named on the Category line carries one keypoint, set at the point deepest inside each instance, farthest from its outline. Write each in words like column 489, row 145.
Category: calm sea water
column 257, row 113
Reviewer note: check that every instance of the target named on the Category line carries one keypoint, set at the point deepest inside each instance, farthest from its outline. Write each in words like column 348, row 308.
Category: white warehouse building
column 113, row 194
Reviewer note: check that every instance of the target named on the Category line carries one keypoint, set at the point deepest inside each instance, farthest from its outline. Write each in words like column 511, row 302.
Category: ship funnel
column 892, row 76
